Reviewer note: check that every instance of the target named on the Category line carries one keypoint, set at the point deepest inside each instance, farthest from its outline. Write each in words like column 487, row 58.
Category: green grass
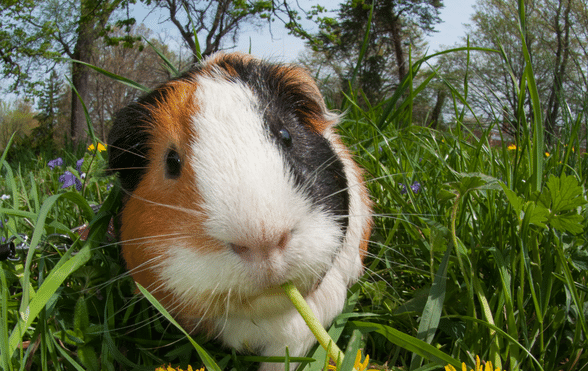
column 489, row 257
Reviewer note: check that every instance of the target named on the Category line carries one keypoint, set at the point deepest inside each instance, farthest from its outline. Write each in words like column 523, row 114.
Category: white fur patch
column 248, row 196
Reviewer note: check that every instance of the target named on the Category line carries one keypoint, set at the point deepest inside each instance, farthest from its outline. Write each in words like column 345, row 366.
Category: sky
column 279, row 46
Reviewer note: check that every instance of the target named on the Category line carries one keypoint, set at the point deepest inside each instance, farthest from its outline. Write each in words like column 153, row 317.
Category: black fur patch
column 288, row 104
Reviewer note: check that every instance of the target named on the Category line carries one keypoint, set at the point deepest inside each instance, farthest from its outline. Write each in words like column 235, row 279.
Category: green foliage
column 384, row 52
column 22, row 38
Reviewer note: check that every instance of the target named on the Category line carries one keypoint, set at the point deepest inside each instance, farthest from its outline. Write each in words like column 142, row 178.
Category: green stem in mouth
column 313, row 323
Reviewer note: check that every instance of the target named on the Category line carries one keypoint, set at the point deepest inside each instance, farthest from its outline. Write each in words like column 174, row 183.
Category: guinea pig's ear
column 128, row 145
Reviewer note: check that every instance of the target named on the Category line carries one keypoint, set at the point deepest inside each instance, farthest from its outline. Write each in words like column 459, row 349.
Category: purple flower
column 67, row 179
column 415, row 187
column 79, row 164
column 53, row 163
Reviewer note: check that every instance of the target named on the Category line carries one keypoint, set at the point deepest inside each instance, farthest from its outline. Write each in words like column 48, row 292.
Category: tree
column 15, row 118
column 54, row 28
column 91, row 24
column 556, row 38
column 139, row 63
column 42, row 30
column 396, row 27
column 24, row 43
column 217, row 20
column 48, row 102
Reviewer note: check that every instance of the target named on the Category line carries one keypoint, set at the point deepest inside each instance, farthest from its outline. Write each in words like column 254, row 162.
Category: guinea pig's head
column 235, row 183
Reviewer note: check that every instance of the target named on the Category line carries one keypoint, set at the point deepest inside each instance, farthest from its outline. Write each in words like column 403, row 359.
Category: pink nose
column 260, row 249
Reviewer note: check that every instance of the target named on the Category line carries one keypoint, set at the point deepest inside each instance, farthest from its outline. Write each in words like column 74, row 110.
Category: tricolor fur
column 237, row 183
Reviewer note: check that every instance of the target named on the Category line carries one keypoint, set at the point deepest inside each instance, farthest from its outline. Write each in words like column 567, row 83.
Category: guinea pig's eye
column 285, row 137
column 173, row 164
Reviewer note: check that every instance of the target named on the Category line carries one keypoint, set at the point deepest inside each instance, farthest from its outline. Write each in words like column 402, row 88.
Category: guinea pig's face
column 236, row 184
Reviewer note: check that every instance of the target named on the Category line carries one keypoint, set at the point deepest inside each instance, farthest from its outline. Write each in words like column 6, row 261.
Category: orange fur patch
column 365, row 197
column 163, row 210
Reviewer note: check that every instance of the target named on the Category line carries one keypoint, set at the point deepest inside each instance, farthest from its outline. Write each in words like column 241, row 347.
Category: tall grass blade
column 4, row 354
column 166, row 62
column 409, row 343
column 537, row 124
column 38, row 233
column 198, row 52
column 207, row 359
column 30, row 310
column 433, row 308
column 8, row 145
column 111, row 75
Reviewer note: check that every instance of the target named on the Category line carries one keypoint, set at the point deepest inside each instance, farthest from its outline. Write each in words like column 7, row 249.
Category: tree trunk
column 80, row 76
column 79, row 126
column 398, row 50
column 436, row 114
column 94, row 15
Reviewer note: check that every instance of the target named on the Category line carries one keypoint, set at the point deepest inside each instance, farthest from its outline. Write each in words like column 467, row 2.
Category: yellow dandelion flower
column 487, row 367
column 101, row 147
column 358, row 365
column 547, row 154
column 512, row 147
column 170, row 368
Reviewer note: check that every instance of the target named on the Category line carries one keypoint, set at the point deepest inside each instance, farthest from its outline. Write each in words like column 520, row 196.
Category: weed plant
column 476, row 251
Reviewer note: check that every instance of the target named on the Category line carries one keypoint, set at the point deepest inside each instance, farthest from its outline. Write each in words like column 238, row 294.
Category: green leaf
column 474, row 181
column 87, row 355
column 566, row 193
column 433, row 308
column 568, row 223
column 535, row 214
column 515, row 201
column 81, row 316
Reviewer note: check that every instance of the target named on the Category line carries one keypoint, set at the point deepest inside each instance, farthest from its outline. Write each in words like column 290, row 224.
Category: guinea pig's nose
column 260, row 249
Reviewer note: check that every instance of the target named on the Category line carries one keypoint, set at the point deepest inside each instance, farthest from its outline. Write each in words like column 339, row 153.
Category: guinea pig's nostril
column 283, row 242
column 239, row 249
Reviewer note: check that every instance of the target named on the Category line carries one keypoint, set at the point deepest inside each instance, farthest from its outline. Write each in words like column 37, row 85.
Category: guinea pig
column 236, row 182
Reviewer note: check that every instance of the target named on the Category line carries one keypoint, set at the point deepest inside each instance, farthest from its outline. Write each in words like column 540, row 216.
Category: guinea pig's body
column 237, row 183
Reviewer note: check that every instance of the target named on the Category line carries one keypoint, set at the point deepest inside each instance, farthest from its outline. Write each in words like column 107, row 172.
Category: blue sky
column 283, row 47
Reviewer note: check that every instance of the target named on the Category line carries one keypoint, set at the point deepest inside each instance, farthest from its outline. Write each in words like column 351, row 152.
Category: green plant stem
column 313, row 323
column 454, row 239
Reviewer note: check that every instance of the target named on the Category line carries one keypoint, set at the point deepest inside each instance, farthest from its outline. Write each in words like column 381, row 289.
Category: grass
column 486, row 257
